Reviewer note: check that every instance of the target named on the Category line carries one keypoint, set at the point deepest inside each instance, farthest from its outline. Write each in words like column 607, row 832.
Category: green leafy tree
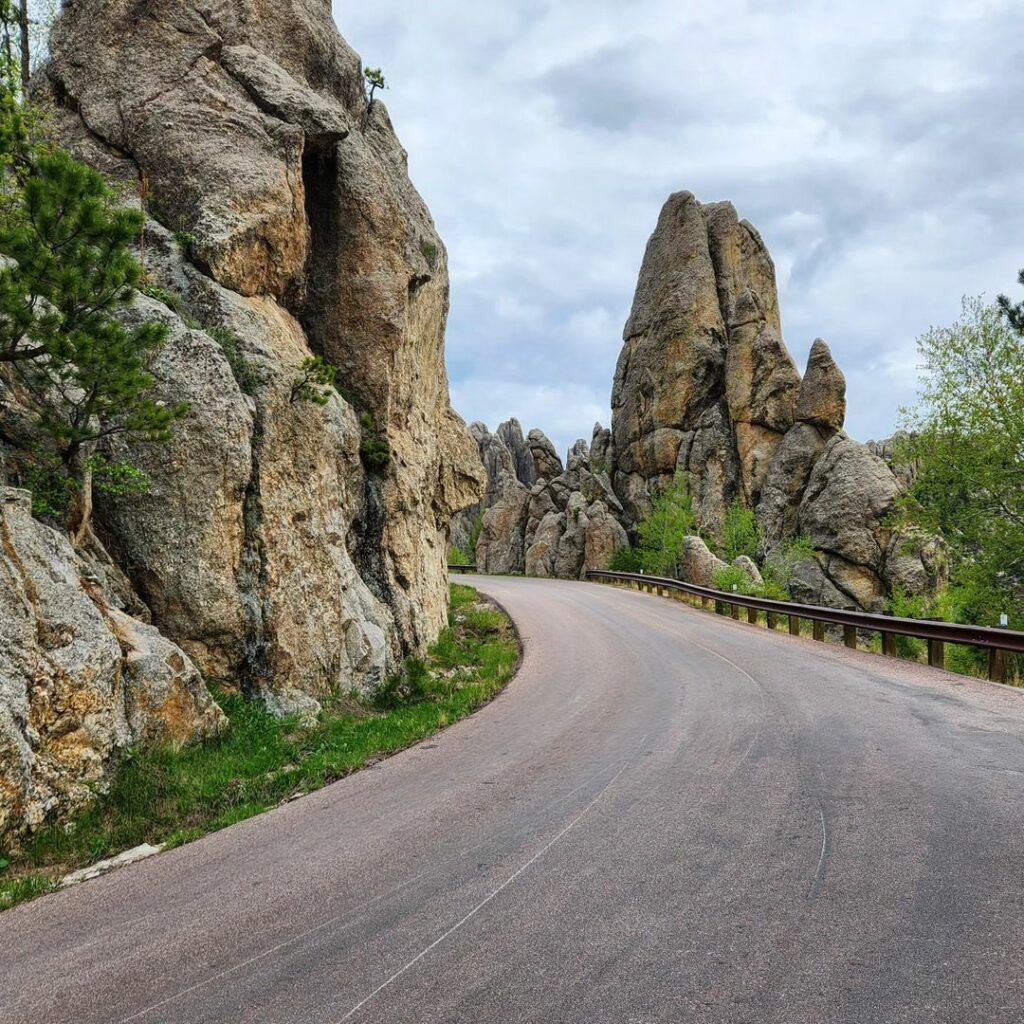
column 66, row 272
column 966, row 439
column 662, row 531
column 739, row 532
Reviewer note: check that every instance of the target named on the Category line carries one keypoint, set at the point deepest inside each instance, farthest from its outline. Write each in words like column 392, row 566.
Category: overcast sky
column 877, row 146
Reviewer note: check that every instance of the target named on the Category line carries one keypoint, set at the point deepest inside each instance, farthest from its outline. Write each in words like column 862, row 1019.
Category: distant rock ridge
column 540, row 517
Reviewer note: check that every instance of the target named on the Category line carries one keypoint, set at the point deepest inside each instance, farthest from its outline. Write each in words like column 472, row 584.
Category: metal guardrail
column 462, row 568
column 998, row 642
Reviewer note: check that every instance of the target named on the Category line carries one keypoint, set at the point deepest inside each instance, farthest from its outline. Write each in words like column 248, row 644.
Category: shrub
column 740, row 535
column 732, row 576
column 458, row 557
column 626, row 560
column 663, row 529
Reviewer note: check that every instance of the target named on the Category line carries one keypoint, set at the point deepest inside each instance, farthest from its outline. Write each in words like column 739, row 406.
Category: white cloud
column 878, row 148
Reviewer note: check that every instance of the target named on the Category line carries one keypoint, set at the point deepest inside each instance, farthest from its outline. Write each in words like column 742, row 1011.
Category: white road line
column 483, row 903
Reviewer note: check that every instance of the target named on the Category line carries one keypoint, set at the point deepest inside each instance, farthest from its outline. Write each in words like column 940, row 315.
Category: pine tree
column 66, row 272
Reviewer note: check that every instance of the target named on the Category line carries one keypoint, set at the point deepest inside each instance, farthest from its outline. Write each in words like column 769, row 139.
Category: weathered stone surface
column 500, row 548
column 915, row 564
column 511, row 433
column 545, row 459
column 705, row 387
column 602, row 450
column 699, row 564
column 748, row 567
column 822, row 398
column 704, row 382
column 542, row 553
column 888, row 450
column 271, row 545
column 848, row 498
column 787, row 478
column 604, row 536
column 79, row 680
column 809, row 584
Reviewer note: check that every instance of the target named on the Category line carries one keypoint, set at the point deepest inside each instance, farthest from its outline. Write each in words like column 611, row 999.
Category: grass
column 172, row 797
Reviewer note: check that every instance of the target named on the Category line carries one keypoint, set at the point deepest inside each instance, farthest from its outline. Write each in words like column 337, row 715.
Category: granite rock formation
column 296, row 547
column 705, row 386
column 80, row 680
column 538, row 516
column 290, row 548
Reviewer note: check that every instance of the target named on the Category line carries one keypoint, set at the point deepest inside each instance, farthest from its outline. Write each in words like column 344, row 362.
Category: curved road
column 667, row 817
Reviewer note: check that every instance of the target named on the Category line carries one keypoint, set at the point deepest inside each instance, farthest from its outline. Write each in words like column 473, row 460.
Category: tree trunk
column 78, row 461
column 26, row 50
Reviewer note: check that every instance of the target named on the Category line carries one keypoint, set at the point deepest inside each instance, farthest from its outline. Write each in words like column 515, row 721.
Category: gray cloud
column 878, row 148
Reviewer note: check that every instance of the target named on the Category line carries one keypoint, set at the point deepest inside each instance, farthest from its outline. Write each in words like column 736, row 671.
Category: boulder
column 849, row 496
column 542, row 553
column 699, row 563
column 786, row 481
column 604, row 536
column 500, row 547
column 748, row 567
column 80, row 681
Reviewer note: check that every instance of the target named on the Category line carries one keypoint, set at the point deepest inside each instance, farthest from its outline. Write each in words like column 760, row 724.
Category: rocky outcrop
column 80, row 680
column 568, row 521
column 296, row 547
column 547, row 464
column 705, row 386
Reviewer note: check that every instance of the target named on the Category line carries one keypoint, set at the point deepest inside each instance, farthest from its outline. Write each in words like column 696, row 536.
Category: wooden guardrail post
column 819, row 630
column 936, row 654
column 719, row 608
column 752, row 616
column 889, row 644
column 850, row 636
column 736, row 612
column 997, row 665
column 794, row 625
column 773, row 620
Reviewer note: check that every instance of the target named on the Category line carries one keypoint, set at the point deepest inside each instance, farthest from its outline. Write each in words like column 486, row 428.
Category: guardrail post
column 819, row 630
column 997, row 665
column 850, row 636
column 794, row 625
column 736, row 612
column 773, row 620
column 719, row 608
column 752, row 616
column 936, row 654
column 889, row 644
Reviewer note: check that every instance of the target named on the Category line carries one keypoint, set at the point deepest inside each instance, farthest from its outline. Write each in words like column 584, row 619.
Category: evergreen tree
column 66, row 271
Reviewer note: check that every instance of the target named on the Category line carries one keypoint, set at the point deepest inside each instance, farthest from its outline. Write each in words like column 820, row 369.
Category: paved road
column 667, row 817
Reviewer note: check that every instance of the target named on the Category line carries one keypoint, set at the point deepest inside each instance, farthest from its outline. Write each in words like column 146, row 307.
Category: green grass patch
column 175, row 796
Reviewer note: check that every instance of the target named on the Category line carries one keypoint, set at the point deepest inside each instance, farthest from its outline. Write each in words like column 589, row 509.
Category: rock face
column 79, row 680
column 296, row 547
column 705, row 386
column 538, row 517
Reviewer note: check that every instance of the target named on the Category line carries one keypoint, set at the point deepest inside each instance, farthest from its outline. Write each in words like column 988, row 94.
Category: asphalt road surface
column 667, row 817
